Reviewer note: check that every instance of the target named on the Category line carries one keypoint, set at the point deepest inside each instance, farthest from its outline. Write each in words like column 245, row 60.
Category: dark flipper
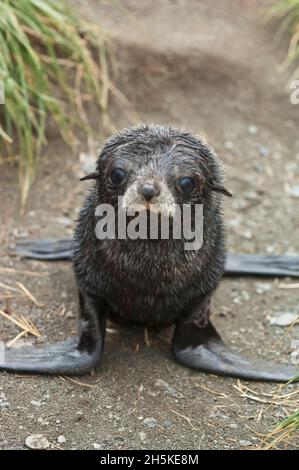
column 74, row 356
column 201, row 348
column 246, row 265
column 51, row 250
column 60, row 358
column 259, row 265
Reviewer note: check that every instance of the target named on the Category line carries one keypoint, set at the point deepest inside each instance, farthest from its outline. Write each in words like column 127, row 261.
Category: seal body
column 147, row 280
column 152, row 282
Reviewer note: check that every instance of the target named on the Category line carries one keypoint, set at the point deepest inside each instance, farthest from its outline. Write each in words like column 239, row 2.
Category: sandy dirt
column 210, row 67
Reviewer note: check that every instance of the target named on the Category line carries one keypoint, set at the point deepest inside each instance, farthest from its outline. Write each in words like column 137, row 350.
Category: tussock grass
column 287, row 13
column 283, row 432
column 51, row 63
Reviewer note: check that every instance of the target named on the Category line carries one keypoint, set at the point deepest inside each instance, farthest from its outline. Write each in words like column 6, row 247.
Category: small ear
column 91, row 176
column 219, row 188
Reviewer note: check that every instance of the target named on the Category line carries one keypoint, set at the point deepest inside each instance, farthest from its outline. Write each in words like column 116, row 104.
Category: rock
column 245, row 443
column 37, row 442
column 246, row 234
column 240, row 204
column 252, row 130
column 294, row 356
column 150, row 422
column 258, row 168
column 142, row 436
column 69, row 314
column 61, row 439
column 97, row 446
column 35, row 403
column 292, row 168
column 169, row 390
column 251, row 195
column 283, row 319
column 245, row 295
column 234, row 223
column 262, row 287
column 4, row 403
column 294, row 190
column 167, row 423
column 263, row 151
column 42, row 421
column 20, row 233
column 65, row 221
column 229, row 145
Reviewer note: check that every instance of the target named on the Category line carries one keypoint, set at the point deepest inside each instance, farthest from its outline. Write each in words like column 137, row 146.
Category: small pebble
column 61, row 439
column 35, row 403
column 142, row 436
column 283, row 319
column 263, row 151
column 65, row 221
column 258, row 168
column 294, row 356
column 37, row 442
column 150, row 422
column 246, row 234
column 294, row 190
column 252, row 130
column 245, row 443
column 169, row 390
column 262, row 287
column 20, row 233
column 229, row 145
column 4, row 403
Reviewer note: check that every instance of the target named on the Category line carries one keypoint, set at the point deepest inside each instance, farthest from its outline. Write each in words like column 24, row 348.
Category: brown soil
column 210, row 67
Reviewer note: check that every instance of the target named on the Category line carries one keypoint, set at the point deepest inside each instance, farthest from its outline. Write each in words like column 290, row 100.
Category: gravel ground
column 212, row 70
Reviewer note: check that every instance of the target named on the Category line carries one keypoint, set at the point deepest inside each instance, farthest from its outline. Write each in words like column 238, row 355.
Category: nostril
column 149, row 191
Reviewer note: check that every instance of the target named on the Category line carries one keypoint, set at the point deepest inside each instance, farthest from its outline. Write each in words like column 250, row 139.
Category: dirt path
column 212, row 68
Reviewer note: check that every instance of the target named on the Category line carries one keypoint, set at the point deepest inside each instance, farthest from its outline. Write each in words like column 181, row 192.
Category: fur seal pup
column 149, row 281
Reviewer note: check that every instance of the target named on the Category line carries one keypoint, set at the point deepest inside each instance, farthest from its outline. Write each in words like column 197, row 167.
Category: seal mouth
column 156, row 209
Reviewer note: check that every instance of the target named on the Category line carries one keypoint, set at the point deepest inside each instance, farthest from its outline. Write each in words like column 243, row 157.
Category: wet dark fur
column 149, row 282
column 152, row 282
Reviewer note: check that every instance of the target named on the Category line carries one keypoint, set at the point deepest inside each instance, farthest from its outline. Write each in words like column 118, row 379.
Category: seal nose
column 149, row 191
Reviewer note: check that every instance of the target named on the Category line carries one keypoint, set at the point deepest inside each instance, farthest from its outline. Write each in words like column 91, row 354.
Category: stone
column 283, row 319
column 37, row 442
column 150, row 422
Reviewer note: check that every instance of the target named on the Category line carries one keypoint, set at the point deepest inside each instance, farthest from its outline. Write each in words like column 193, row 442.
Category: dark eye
column 186, row 184
column 118, row 176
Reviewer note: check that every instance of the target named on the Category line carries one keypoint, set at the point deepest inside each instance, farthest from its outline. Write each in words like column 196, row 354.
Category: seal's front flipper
column 50, row 250
column 203, row 349
column 236, row 264
column 74, row 356
column 262, row 265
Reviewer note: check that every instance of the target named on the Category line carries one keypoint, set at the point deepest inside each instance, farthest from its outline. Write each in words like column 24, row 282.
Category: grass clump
column 283, row 432
column 287, row 13
column 50, row 64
